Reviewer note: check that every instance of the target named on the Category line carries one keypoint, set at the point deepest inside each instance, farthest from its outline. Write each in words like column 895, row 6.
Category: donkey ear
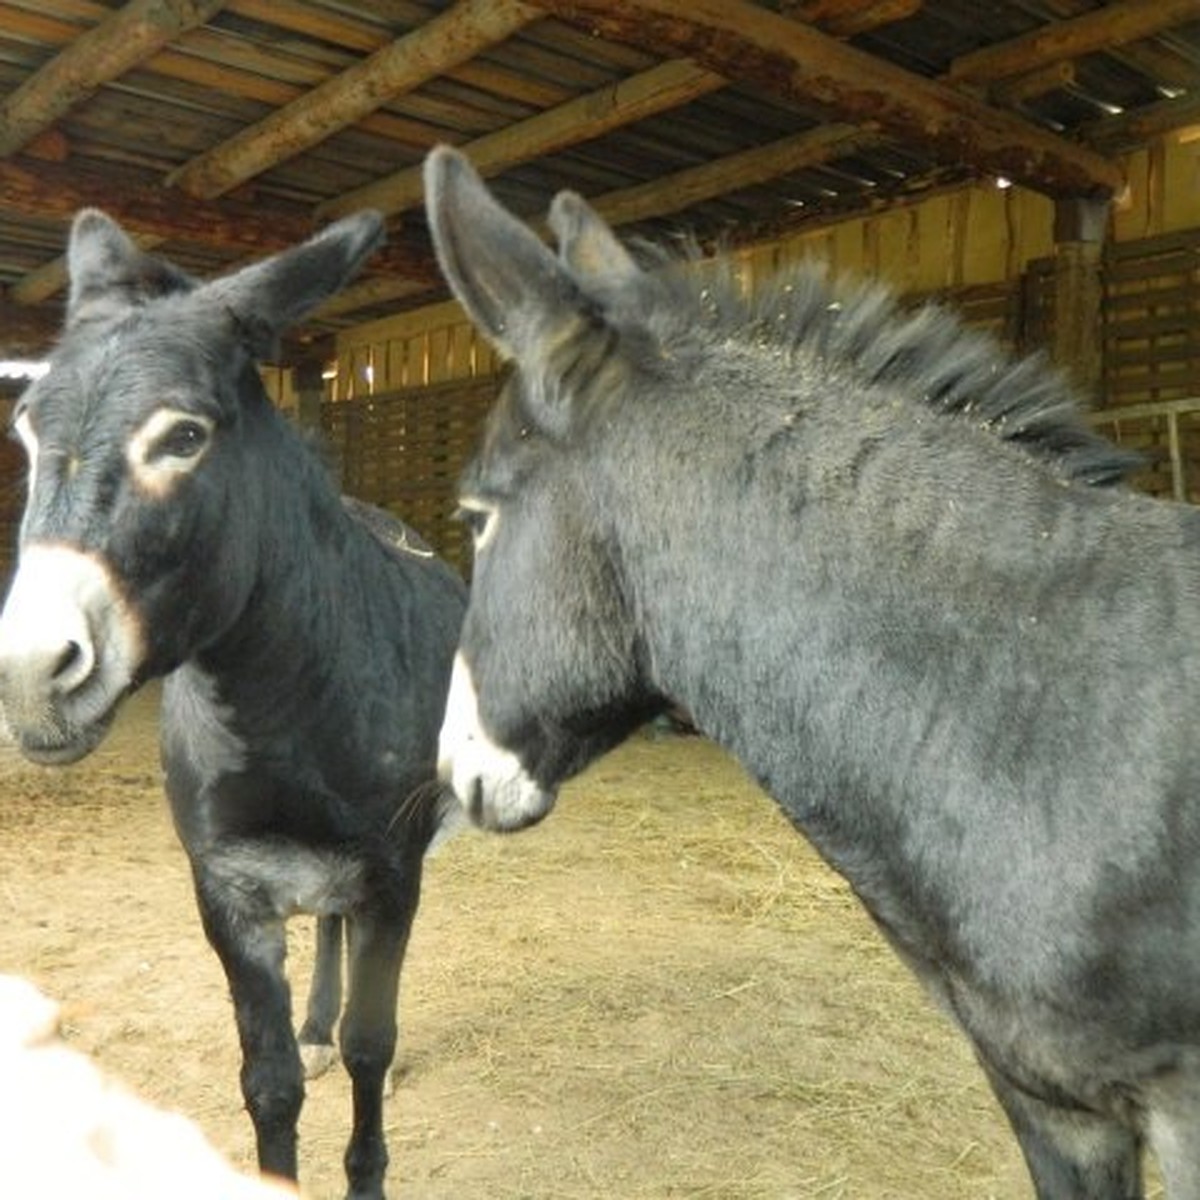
column 588, row 247
column 109, row 274
column 268, row 297
column 512, row 286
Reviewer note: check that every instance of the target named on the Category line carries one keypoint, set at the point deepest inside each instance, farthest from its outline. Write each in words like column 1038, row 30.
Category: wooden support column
column 1079, row 232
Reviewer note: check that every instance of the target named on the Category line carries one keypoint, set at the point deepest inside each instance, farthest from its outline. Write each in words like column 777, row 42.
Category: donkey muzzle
column 491, row 784
column 68, row 650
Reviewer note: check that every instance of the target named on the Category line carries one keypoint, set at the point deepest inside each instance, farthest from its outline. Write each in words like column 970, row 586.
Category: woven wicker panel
column 404, row 451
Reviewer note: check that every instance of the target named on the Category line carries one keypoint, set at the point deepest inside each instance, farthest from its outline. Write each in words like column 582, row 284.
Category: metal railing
column 1110, row 420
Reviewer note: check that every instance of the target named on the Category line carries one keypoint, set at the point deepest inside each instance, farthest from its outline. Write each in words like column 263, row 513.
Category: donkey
column 869, row 553
column 177, row 526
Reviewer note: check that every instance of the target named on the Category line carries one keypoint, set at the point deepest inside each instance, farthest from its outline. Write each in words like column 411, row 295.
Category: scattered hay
column 660, row 992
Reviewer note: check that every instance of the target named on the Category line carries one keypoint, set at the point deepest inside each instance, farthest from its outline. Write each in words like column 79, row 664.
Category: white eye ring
column 153, row 464
column 481, row 519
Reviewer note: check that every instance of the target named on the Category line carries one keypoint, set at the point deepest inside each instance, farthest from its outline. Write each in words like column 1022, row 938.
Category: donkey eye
column 184, row 439
column 169, row 444
column 473, row 518
column 478, row 519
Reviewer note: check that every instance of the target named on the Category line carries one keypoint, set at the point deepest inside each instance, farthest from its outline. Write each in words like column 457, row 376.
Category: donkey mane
column 862, row 330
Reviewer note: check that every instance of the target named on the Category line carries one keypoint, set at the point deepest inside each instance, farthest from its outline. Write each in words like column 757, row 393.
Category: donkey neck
column 307, row 601
column 881, row 616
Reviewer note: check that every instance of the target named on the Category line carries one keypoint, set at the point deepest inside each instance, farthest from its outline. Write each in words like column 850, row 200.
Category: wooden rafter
column 381, row 289
column 663, row 87
column 669, row 85
column 744, row 41
column 1132, row 129
column 680, row 190
column 845, row 18
column 452, row 37
column 1018, row 89
column 1060, row 41
column 119, row 42
column 660, row 88
column 50, row 190
column 432, row 48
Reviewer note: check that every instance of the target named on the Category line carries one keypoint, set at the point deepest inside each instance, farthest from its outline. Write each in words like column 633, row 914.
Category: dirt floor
column 659, row 992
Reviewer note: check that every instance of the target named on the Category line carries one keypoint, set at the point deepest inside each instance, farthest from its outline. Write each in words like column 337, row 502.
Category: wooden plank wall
column 984, row 249
column 1151, row 360
column 958, row 239
column 278, row 384
column 949, row 243
column 417, row 350
column 1152, row 319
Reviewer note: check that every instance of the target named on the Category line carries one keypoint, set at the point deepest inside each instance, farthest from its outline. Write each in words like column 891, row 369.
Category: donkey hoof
column 317, row 1058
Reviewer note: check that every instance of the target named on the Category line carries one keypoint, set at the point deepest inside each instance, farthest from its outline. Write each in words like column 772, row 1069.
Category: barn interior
column 1034, row 163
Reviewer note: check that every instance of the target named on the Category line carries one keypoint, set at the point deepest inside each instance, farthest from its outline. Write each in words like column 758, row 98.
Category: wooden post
column 1079, row 230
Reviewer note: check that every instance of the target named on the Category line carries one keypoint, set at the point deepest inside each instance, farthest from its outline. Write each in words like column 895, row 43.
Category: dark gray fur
column 867, row 553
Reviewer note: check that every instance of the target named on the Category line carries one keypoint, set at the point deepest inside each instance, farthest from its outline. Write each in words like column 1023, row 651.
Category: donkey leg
column 317, row 1050
column 252, row 951
column 368, row 1037
column 1072, row 1154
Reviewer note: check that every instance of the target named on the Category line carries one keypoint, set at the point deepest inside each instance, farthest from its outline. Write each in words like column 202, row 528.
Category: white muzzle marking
column 69, row 647
column 489, row 781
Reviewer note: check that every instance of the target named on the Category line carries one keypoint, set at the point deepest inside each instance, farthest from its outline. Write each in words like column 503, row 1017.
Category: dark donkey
column 867, row 552
column 177, row 525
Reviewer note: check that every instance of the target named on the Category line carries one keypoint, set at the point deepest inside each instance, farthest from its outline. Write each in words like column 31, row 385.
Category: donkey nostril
column 71, row 654
column 474, row 800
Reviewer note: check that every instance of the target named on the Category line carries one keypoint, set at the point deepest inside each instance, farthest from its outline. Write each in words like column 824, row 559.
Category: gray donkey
column 868, row 553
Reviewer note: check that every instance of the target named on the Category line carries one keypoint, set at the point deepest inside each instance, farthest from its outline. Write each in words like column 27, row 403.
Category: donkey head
column 137, row 541
column 549, row 673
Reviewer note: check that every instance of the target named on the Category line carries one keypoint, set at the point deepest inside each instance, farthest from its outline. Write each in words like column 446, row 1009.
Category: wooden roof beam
column 693, row 185
column 132, row 33
column 1020, row 89
column 1135, row 129
column 452, row 37
column 669, row 85
column 1102, row 29
column 380, row 289
column 744, row 41
column 845, row 18
column 48, row 190
column 666, row 86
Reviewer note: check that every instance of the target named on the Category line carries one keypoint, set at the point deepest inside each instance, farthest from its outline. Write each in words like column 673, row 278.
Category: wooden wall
column 986, row 249
column 959, row 241
column 415, row 350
